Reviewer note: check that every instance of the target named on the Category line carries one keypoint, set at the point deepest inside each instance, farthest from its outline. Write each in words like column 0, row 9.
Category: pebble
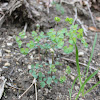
column 9, row 44
column 46, row 91
column 8, row 56
column 0, row 53
column 50, row 61
column 81, row 99
column 17, row 63
column 20, row 70
column 29, row 66
column 81, row 54
column 4, row 67
column 72, row 77
column 0, row 70
column 98, row 75
column 8, row 51
column 31, row 57
column 7, row 64
column 0, row 60
column 76, row 88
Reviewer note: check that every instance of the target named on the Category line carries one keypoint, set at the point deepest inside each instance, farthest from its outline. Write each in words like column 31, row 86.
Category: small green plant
column 59, row 7
column 43, row 79
column 82, row 85
column 68, row 70
column 62, row 39
column 62, row 79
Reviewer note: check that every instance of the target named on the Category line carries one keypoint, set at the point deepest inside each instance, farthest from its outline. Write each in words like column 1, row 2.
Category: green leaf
column 52, row 68
column 68, row 49
column 80, row 31
column 67, row 19
column 30, row 71
column 44, row 79
column 40, row 74
column 92, row 87
column 34, row 74
column 40, row 79
column 71, row 41
column 19, row 44
column 70, row 20
column 34, row 34
column 17, row 38
column 22, row 34
column 41, row 65
column 53, row 77
column 62, row 79
column 68, row 70
column 57, row 63
column 31, row 44
column 53, row 37
column 37, row 66
column 42, row 84
column 49, row 80
column 78, row 67
column 57, row 19
column 60, row 44
column 83, row 85
column 32, row 66
column 55, row 80
column 49, row 72
column 24, row 51
column 42, row 35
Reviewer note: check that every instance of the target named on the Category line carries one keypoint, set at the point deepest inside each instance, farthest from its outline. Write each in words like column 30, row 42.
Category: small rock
column 98, row 75
column 7, row 64
column 17, row 63
column 50, row 61
column 8, row 51
column 0, row 70
column 72, row 77
column 81, row 99
column 8, row 56
column 29, row 66
column 46, row 91
column 4, row 67
column 0, row 60
column 76, row 88
column 9, row 44
column 3, row 46
column 0, row 53
column 81, row 54
column 20, row 70
column 31, row 57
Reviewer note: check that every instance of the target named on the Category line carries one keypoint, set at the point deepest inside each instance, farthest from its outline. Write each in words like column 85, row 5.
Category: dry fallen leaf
column 94, row 29
column 98, row 19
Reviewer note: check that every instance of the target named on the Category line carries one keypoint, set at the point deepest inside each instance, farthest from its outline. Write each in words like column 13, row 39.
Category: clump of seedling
column 63, row 39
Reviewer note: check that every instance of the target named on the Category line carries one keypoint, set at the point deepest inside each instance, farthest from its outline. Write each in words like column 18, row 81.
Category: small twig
column 12, row 86
column 75, row 9
column 78, row 20
column 36, row 91
column 34, row 81
column 90, row 13
column 91, row 67
column 25, row 27
column 84, row 29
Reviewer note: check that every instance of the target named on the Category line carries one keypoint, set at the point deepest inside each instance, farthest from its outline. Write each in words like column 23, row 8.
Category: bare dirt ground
column 17, row 72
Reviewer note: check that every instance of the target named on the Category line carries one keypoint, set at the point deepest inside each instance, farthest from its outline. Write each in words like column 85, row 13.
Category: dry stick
column 34, row 81
column 78, row 20
column 91, row 67
column 90, row 13
column 36, row 91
